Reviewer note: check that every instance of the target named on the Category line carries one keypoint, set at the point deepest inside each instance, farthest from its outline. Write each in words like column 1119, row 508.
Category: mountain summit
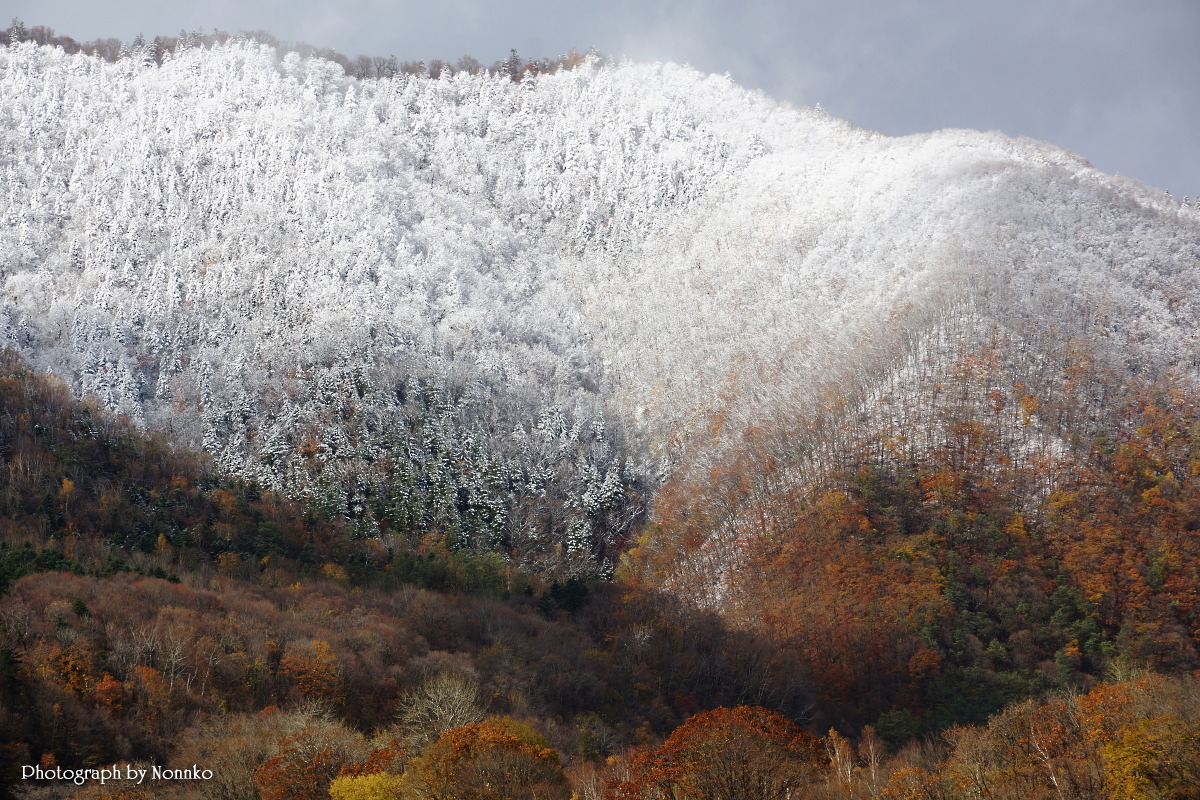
column 502, row 308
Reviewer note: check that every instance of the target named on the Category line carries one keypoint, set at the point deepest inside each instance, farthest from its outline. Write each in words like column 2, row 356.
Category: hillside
column 610, row 398
column 502, row 308
column 156, row 612
column 149, row 606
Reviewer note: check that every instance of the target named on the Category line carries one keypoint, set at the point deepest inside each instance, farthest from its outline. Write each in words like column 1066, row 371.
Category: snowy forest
column 599, row 417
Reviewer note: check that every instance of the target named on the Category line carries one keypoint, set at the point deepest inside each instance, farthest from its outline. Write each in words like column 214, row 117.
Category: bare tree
column 442, row 702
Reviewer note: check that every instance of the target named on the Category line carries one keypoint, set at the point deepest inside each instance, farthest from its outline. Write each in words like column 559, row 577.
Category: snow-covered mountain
column 498, row 308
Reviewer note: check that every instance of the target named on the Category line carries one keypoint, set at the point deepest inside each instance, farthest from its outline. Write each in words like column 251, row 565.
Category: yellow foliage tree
column 380, row 786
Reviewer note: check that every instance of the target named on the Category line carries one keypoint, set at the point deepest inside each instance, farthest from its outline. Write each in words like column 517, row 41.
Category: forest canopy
column 573, row 428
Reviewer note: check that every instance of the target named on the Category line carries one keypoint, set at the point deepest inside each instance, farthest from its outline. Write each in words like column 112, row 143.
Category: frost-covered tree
column 495, row 310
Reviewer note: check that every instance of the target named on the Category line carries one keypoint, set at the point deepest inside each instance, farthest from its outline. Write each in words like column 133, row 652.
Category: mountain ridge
column 252, row 250
column 899, row 437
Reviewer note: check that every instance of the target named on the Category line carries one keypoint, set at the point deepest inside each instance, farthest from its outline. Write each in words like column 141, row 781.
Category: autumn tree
column 1147, row 734
column 308, row 761
column 497, row 759
column 745, row 752
column 378, row 786
column 313, row 670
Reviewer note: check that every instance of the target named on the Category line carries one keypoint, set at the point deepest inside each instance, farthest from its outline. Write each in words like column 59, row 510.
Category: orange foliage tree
column 307, row 762
column 313, row 671
column 497, row 759
column 746, row 752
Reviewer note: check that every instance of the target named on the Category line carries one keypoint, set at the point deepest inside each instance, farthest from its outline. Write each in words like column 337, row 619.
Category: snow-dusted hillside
column 488, row 306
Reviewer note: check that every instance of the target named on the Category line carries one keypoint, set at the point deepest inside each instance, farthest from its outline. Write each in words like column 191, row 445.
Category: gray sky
column 1116, row 81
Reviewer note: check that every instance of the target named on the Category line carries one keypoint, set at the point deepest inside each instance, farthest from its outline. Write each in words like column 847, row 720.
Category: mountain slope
column 501, row 310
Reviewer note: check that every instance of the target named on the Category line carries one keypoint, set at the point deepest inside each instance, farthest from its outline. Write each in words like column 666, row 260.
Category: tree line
column 362, row 67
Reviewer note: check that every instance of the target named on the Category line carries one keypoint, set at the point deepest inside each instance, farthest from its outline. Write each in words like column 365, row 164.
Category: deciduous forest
column 578, row 429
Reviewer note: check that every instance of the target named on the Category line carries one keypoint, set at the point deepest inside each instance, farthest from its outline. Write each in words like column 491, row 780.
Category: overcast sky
column 1116, row 81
